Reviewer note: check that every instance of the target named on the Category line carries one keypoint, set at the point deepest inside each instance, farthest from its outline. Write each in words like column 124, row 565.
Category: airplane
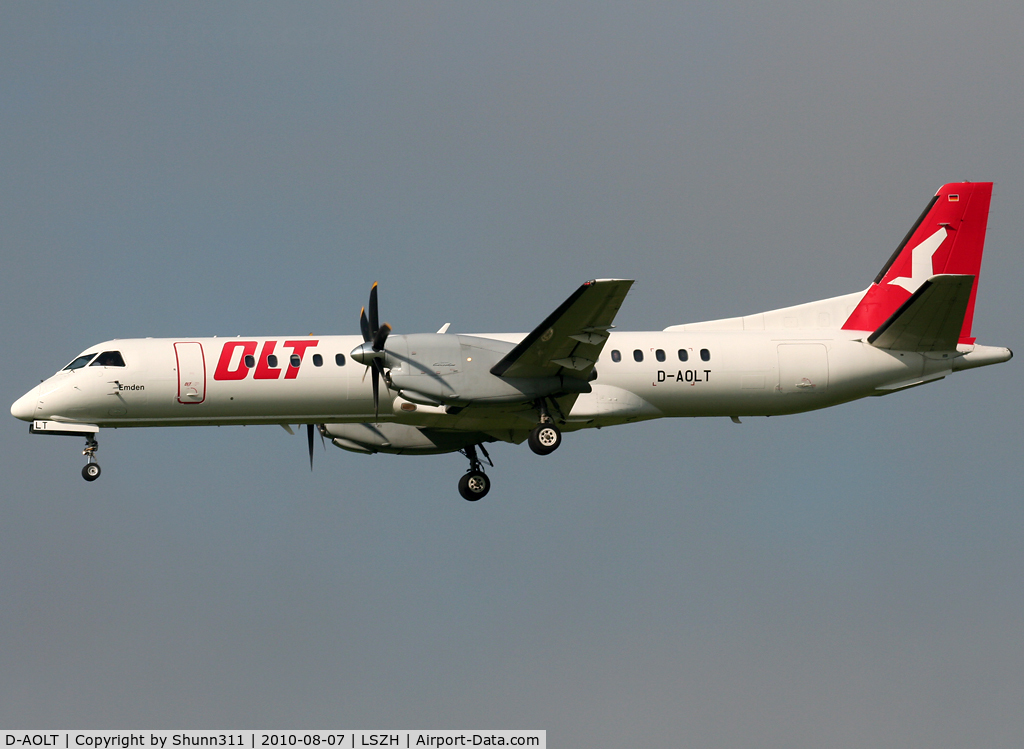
column 455, row 393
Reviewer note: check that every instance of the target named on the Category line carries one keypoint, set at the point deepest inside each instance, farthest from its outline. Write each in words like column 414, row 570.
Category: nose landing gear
column 91, row 470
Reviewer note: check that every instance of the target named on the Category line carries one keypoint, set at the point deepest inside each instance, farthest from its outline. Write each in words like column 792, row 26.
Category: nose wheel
column 91, row 470
column 474, row 484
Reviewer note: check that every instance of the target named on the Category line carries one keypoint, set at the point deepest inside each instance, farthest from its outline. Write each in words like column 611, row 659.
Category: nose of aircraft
column 25, row 407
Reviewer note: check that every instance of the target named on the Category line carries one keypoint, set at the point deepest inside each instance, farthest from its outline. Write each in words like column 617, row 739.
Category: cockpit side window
column 80, row 361
column 108, row 359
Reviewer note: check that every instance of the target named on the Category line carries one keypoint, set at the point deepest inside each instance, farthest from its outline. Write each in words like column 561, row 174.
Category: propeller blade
column 381, row 336
column 309, row 439
column 374, row 321
column 376, row 389
column 376, row 335
column 364, row 325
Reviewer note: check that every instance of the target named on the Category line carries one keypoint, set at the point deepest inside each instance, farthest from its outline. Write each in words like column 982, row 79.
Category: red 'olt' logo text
column 263, row 370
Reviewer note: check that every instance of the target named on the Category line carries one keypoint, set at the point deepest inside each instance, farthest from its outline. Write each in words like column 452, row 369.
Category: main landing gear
column 545, row 437
column 474, row 484
column 91, row 470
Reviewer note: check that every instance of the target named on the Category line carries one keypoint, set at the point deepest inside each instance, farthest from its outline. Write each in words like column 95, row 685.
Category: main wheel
column 474, row 485
column 545, row 439
column 91, row 471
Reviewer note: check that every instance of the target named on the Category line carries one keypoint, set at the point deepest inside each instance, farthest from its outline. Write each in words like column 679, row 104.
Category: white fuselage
column 208, row 381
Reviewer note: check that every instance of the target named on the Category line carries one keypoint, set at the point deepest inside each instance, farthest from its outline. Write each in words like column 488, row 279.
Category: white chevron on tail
column 921, row 262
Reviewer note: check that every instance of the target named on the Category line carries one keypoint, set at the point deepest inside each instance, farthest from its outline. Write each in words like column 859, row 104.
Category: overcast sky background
column 847, row 578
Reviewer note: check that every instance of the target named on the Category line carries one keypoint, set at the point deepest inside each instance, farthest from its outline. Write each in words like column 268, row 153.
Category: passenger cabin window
column 638, row 355
column 272, row 361
column 81, row 361
column 250, row 361
column 705, row 355
column 108, row 359
column 683, row 354
column 659, row 355
column 616, row 356
column 339, row 359
column 318, row 361
column 294, row 360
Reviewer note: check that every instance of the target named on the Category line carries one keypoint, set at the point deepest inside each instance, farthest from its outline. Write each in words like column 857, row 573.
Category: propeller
column 309, row 439
column 371, row 353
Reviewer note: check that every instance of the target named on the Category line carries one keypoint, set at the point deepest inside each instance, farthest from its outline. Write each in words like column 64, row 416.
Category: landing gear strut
column 474, row 484
column 545, row 437
column 91, row 469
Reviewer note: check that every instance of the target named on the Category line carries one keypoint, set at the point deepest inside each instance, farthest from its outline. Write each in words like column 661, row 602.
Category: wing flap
column 931, row 319
column 570, row 340
column 578, row 363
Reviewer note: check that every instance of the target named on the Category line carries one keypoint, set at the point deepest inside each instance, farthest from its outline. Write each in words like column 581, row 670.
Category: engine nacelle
column 399, row 439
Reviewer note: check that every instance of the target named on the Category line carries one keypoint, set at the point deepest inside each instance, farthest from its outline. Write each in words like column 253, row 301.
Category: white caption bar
column 268, row 739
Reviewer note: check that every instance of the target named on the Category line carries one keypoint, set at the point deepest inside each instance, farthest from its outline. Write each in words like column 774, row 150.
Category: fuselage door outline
column 191, row 365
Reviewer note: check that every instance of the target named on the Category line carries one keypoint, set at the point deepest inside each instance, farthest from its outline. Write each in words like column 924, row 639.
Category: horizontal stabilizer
column 931, row 319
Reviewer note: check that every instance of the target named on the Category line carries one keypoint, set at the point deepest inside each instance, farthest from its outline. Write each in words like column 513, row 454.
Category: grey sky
column 847, row 578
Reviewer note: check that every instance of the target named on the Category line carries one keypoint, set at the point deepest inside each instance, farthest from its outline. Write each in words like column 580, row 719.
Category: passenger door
column 191, row 372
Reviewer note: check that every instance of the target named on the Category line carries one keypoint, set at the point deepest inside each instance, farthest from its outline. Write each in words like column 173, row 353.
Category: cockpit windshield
column 108, row 359
column 80, row 361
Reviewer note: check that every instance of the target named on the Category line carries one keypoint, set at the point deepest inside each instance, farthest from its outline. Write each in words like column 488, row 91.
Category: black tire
column 474, row 485
column 545, row 439
column 91, row 471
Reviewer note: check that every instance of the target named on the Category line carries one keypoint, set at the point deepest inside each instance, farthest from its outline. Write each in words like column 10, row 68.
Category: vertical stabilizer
column 948, row 238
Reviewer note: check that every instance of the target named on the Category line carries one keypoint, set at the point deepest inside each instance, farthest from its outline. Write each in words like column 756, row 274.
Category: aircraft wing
column 930, row 320
column 570, row 339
